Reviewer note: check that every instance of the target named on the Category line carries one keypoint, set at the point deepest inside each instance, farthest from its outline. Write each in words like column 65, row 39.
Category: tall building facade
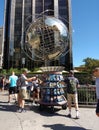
column 16, row 13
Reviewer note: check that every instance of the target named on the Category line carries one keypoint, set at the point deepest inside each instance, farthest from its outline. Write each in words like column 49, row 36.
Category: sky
column 85, row 29
column 85, row 26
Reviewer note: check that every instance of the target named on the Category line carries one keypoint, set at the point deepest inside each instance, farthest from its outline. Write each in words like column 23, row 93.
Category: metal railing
column 87, row 95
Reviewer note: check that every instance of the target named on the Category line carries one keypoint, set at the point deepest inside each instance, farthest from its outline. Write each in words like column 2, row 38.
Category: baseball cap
column 26, row 70
column 71, row 72
column 96, row 69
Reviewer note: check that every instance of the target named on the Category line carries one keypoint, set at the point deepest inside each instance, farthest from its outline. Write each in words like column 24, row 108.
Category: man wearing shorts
column 72, row 84
column 13, row 87
column 23, row 90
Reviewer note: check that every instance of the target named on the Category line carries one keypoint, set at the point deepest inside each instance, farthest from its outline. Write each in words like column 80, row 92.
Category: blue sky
column 85, row 26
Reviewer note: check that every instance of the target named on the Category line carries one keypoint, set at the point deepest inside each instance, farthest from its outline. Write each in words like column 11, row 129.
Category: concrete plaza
column 34, row 119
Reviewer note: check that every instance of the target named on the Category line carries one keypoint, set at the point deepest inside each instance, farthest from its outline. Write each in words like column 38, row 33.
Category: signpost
column 23, row 62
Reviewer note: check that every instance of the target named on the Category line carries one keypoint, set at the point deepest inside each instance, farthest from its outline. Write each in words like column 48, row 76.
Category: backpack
column 71, row 85
column 19, row 83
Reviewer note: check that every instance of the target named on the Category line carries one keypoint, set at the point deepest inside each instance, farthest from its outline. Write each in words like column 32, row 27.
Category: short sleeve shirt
column 68, row 84
column 23, row 80
column 13, row 80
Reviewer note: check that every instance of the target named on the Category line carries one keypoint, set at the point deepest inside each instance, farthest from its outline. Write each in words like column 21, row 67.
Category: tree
column 90, row 64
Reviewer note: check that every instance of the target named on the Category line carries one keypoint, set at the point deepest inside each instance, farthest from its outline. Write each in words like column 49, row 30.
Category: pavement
column 34, row 119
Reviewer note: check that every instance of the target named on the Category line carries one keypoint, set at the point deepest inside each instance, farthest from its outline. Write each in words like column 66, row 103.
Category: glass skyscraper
column 16, row 13
column 1, row 46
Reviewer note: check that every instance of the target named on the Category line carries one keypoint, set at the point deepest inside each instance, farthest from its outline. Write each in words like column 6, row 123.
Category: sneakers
column 77, row 117
column 69, row 115
column 34, row 104
column 23, row 110
column 77, row 114
column 20, row 110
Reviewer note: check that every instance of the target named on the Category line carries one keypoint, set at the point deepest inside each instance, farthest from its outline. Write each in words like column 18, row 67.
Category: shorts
column 23, row 93
column 72, row 97
column 36, row 89
column 12, row 90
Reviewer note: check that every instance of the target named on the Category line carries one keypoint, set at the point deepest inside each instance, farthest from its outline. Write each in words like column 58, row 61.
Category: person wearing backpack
column 72, row 84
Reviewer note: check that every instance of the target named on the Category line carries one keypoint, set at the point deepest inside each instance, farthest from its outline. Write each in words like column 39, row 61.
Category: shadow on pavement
column 63, row 127
column 8, row 108
column 2, row 102
column 47, row 111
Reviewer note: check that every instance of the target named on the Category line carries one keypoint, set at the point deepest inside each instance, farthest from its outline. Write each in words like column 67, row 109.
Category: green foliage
column 84, row 78
column 17, row 71
column 90, row 64
column 36, row 69
column 8, row 72
column 13, row 69
column 3, row 71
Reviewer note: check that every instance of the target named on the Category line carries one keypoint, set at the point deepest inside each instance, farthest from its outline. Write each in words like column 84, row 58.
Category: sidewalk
column 33, row 119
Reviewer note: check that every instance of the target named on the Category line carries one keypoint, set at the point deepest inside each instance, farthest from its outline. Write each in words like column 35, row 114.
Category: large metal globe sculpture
column 46, row 38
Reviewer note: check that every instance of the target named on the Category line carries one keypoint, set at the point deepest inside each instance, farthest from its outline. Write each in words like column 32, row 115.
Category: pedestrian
column 12, row 86
column 2, row 83
column 23, row 90
column 36, row 89
column 6, row 86
column 96, row 74
column 72, row 96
